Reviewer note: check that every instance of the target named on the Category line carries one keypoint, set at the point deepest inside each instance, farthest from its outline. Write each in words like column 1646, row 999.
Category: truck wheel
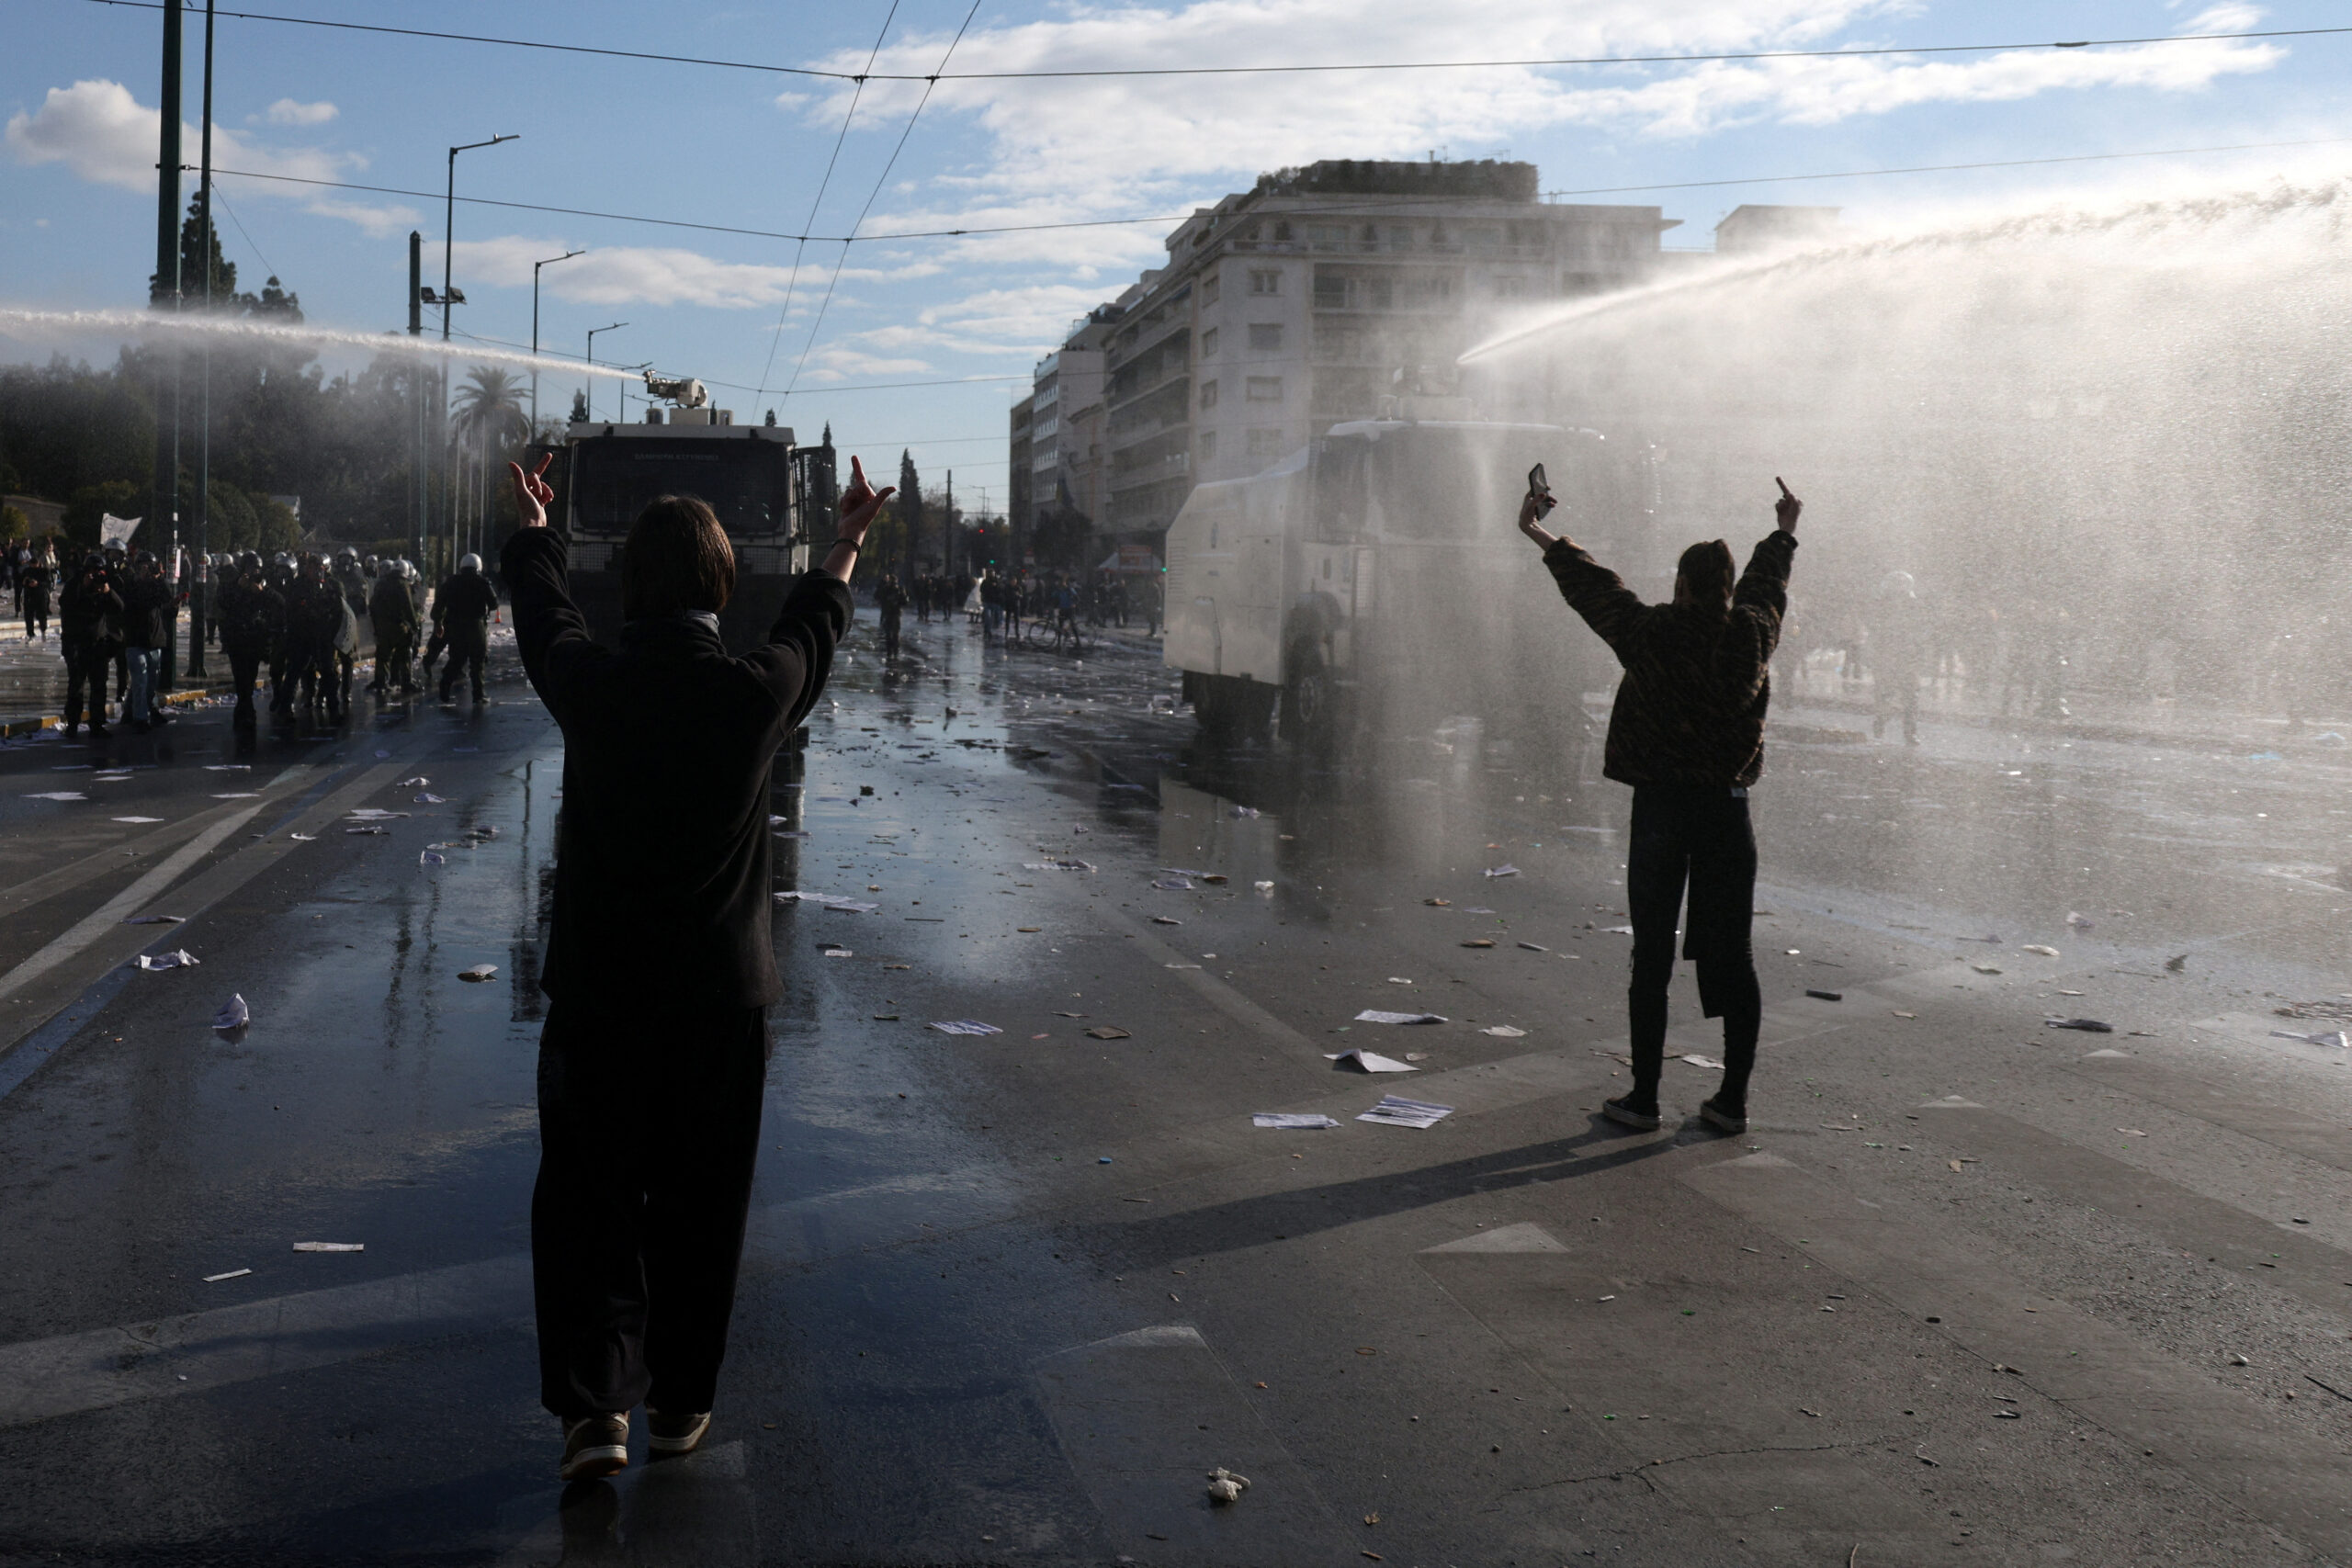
column 1309, row 701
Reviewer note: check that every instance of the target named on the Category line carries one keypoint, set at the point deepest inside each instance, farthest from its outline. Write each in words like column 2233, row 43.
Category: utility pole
column 416, row 481
column 588, row 391
column 200, row 569
column 166, row 295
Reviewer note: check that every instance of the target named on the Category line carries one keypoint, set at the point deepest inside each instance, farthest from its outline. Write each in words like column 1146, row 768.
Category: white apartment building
column 1289, row 307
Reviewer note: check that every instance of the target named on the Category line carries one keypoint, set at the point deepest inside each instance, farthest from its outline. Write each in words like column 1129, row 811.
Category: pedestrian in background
column 146, row 603
column 461, row 613
column 1687, row 732
column 33, row 579
column 88, row 627
column 659, row 960
column 253, row 623
column 890, row 601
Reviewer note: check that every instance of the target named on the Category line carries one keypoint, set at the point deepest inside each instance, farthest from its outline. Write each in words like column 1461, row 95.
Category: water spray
column 17, row 322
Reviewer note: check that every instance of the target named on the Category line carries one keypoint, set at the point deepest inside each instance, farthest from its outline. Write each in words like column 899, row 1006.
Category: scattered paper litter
column 1698, row 1061
column 479, row 973
column 232, row 1274
column 2037, row 947
column 1438, row 903
column 1368, row 1062
column 155, row 919
column 330, row 1246
column 1224, row 1485
column 233, row 1014
column 237, row 768
column 1240, row 812
column 1108, row 1032
column 826, row 900
column 142, row 819
column 420, row 781
column 429, row 799
column 1373, row 1015
column 304, row 837
column 240, row 794
column 2088, row 1025
column 1166, row 921
column 1398, row 980
column 964, row 1026
column 1535, row 947
column 426, row 857
column 179, row 959
column 369, row 832
column 2336, row 1038
column 1180, row 967
column 372, row 813
column 1291, row 1120
column 1171, row 885
column 1398, row 1112
column 830, row 950
column 1504, row 1031
column 1480, row 942
column 1263, row 886
column 1984, row 968
column 2079, row 920
column 1059, row 865
column 58, row 794
column 1502, row 870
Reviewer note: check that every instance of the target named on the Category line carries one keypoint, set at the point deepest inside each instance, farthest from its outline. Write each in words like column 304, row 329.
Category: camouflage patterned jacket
column 1690, row 708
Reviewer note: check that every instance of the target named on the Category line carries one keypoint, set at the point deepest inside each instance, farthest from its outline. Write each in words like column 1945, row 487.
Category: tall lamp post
column 535, row 331
column 449, row 298
column 590, row 392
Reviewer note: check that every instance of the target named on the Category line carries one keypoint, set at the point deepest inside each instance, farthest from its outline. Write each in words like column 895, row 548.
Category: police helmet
column 469, row 562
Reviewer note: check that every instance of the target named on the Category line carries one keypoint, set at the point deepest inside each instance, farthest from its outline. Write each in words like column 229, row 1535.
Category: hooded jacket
column 1689, row 710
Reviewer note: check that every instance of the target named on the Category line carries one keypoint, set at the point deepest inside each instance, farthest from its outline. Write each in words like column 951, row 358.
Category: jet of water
column 16, row 321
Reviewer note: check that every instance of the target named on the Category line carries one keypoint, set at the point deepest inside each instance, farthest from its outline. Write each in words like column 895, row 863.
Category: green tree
column 14, row 523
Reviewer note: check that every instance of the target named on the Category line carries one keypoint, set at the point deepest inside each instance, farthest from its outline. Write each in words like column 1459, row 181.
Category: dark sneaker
column 675, row 1434
column 1724, row 1118
column 595, row 1446
column 1625, row 1113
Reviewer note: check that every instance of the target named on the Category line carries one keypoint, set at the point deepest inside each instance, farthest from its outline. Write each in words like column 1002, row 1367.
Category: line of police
column 298, row 617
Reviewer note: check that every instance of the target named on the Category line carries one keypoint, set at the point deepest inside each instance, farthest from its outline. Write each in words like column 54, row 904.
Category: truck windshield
column 748, row 483
column 1442, row 483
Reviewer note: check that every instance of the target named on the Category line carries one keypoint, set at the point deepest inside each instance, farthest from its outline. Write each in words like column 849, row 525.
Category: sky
column 923, row 344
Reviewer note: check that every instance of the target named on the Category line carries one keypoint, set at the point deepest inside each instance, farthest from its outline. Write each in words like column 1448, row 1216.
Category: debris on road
column 330, row 1246
column 1504, row 1031
column 479, row 973
column 420, row 781
column 1367, row 1062
column 1224, row 1485
column 1263, row 886
column 1373, row 1015
column 139, row 820
column 1059, row 865
column 1900, row 1014
column 233, row 1014
column 964, row 1026
column 1438, row 903
column 1291, row 1120
column 1827, row 996
column 2079, row 920
column 153, row 920
column 1984, row 968
column 429, row 800
column 1505, row 870
column 1480, row 942
column 375, row 832
column 2037, row 947
column 826, row 900
column 58, row 794
column 1171, row 885
column 2088, row 1025
column 1535, row 947
column 179, row 959
column 2177, row 964
column 1166, row 921
column 1397, row 1111
column 232, row 1274
column 2336, row 1038
column 428, row 857
column 2131, row 1132
column 1108, row 1032
column 1698, row 1061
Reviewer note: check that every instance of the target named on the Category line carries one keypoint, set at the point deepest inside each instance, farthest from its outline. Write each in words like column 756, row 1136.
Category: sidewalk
column 32, row 678
column 2091, row 715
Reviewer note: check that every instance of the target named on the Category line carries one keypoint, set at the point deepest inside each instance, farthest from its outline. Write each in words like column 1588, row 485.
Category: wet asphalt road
column 1972, row 1289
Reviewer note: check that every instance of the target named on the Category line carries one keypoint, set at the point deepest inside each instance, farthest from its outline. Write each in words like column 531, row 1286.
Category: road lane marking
column 2212, row 1436
column 2294, row 1131
column 109, row 916
column 43, row 1378
column 65, row 878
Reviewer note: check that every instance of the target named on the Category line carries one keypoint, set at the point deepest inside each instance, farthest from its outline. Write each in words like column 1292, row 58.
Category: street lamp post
column 590, row 390
column 448, row 299
column 535, row 331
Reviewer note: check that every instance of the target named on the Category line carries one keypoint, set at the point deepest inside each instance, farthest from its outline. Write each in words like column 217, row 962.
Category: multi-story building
column 1289, row 307
column 1065, row 381
column 1017, row 504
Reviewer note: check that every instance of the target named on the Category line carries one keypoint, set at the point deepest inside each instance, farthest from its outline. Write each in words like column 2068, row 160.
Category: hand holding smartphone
column 1539, row 491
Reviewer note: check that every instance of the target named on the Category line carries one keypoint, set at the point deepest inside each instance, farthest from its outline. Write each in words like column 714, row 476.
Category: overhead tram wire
column 944, row 76
column 982, row 231
column 740, row 386
column 871, row 197
column 792, row 281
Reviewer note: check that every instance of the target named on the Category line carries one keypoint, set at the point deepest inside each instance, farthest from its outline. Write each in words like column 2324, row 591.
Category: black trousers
column 469, row 651
column 86, row 665
column 1701, row 839
column 245, row 670
column 891, row 634
column 648, row 1132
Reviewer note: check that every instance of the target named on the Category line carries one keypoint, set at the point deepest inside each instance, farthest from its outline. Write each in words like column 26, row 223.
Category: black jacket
column 663, row 882
column 253, row 615
column 464, row 597
column 85, row 609
column 146, row 603
column 1690, row 708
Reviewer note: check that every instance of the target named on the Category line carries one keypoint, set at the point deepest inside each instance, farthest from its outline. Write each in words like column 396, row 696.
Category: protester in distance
column 88, row 631
column 461, row 613
column 315, row 627
column 890, row 603
column 146, row 631
column 253, row 623
column 391, row 610
column 659, row 958
column 33, row 579
column 1686, row 733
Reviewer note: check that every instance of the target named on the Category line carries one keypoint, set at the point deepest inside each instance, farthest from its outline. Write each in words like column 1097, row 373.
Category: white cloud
column 286, row 111
column 837, row 363
column 104, row 135
column 634, row 274
column 1085, row 147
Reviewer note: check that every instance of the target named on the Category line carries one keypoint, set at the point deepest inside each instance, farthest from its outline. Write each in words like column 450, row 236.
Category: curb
column 12, row 727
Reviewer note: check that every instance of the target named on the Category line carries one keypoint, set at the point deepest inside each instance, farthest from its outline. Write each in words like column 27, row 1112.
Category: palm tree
column 488, row 417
